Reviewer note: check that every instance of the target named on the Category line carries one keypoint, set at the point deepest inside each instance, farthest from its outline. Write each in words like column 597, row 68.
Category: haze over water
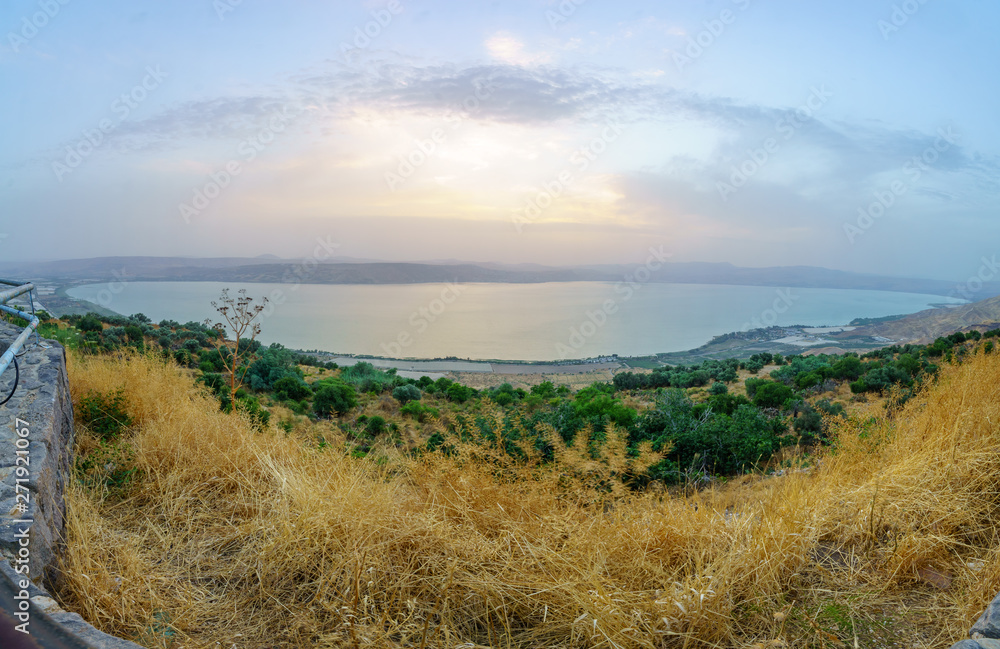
column 547, row 321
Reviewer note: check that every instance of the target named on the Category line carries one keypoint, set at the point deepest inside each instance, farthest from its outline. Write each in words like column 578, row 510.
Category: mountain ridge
column 346, row 270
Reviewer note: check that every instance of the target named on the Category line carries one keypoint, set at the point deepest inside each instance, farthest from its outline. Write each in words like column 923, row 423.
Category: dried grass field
column 228, row 536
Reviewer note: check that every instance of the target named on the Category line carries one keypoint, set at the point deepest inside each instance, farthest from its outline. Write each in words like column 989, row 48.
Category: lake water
column 548, row 321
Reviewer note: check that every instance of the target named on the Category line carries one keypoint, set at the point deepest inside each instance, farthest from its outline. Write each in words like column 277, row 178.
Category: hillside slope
column 223, row 531
column 925, row 326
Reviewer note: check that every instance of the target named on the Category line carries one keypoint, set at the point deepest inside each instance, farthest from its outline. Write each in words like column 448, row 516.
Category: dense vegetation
column 700, row 418
column 503, row 535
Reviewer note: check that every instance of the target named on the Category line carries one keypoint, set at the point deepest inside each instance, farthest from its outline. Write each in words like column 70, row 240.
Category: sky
column 858, row 135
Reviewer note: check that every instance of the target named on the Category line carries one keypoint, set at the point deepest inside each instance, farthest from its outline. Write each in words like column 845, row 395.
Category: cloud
column 823, row 160
column 506, row 48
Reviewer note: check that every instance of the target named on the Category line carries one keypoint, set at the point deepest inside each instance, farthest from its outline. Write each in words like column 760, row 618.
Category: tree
column 545, row 389
column 336, row 397
column 849, row 368
column 291, row 387
column 239, row 315
column 458, row 393
column 772, row 394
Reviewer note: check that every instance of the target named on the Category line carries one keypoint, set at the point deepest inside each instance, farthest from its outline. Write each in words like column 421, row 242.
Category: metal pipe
column 14, row 292
column 15, row 346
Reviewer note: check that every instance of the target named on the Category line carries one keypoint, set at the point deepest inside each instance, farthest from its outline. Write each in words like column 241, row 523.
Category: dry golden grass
column 232, row 537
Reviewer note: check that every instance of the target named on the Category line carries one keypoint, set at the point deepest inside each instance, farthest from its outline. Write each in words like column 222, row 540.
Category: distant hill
column 345, row 270
column 370, row 273
column 926, row 326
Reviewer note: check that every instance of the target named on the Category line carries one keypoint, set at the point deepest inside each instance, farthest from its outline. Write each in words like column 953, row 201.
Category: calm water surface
column 546, row 321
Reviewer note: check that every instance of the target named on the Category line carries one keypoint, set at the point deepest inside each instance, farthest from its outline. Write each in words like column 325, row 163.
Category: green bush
column 109, row 467
column 365, row 377
column 406, row 393
column 291, row 388
column 830, row 408
column 459, row 393
column 419, row 411
column 809, row 421
column 89, row 322
column 376, row 426
column 334, row 397
column 772, row 394
column 702, row 442
column 545, row 390
column 503, row 398
column 134, row 334
column 105, row 414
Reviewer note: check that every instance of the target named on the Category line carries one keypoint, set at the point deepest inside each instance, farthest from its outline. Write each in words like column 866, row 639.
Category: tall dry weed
column 259, row 539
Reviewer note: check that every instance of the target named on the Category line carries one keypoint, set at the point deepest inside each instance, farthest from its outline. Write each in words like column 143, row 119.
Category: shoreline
column 786, row 340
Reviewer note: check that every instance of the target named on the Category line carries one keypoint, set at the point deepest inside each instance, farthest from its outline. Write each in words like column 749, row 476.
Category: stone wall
column 36, row 447
column 985, row 633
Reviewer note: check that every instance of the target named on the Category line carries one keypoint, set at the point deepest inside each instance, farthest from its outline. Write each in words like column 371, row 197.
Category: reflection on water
column 545, row 321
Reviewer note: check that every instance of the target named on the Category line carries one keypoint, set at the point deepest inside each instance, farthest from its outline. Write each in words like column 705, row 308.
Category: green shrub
column 503, row 398
column 701, row 442
column 291, row 388
column 183, row 357
column 334, row 397
column 406, row 393
column 419, row 411
column 809, row 421
column 109, row 467
column 104, row 414
column 772, row 394
column 259, row 416
column 89, row 322
column 829, row 407
column 458, row 393
column 376, row 426
column 367, row 378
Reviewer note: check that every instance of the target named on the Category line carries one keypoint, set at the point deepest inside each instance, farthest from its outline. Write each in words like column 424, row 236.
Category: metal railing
column 20, row 288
